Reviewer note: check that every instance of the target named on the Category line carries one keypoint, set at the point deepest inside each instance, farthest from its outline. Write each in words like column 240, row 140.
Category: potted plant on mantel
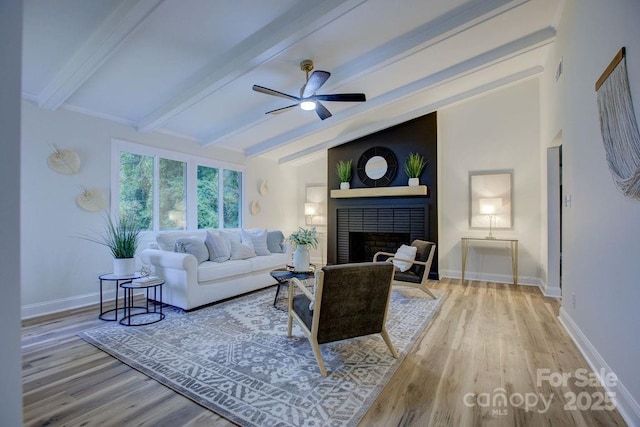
column 343, row 168
column 302, row 239
column 413, row 167
column 122, row 237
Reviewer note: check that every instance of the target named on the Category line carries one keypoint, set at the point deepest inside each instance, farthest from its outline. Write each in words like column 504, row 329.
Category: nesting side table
column 152, row 312
column 119, row 280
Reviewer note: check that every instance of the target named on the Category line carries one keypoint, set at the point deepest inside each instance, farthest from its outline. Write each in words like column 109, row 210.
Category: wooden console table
column 514, row 254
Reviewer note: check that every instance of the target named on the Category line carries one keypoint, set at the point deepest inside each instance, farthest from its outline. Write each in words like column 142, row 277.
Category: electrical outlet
column 573, row 300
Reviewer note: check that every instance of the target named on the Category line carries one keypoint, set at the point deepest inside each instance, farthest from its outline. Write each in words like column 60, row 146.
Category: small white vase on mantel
column 345, row 185
column 414, row 182
column 301, row 258
column 124, row 266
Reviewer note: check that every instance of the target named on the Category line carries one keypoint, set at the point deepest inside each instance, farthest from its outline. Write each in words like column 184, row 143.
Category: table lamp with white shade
column 490, row 206
column 311, row 210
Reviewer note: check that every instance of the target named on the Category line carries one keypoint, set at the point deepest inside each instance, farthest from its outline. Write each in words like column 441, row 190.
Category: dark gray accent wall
column 417, row 135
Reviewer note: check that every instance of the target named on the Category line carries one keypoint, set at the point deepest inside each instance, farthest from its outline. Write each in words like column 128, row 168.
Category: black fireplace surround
column 363, row 232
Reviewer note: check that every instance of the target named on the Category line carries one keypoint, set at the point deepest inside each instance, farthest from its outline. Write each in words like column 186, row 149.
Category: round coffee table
column 284, row 274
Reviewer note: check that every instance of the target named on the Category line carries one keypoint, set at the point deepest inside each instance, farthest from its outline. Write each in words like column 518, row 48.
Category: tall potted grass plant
column 343, row 169
column 414, row 166
column 122, row 237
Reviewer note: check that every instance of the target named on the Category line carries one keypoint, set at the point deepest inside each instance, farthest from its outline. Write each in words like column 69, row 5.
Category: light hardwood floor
column 488, row 340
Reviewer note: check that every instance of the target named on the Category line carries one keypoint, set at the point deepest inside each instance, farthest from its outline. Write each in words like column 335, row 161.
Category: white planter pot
column 301, row 258
column 414, row 182
column 345, row 186
column 124, row 266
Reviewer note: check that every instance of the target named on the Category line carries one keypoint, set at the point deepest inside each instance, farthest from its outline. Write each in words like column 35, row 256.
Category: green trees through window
column 172, row 194
column 136, row 188
column 232, row 195
column 207, row 197
column 216, row 195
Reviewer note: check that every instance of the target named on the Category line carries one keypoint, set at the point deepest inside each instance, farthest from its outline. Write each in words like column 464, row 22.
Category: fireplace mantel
column 419, row 190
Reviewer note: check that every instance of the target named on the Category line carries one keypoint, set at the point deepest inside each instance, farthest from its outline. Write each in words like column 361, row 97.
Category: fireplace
column 364, row 245
column 361, row 232
column 413, row 216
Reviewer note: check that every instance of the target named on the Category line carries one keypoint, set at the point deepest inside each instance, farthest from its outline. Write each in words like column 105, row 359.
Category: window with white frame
column 166, row 190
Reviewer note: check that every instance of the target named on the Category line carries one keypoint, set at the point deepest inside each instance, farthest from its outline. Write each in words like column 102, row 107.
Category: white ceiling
column 186, row 67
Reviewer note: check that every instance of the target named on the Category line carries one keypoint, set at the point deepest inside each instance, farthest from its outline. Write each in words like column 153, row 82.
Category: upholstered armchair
column 350, row 300
column 418, row 275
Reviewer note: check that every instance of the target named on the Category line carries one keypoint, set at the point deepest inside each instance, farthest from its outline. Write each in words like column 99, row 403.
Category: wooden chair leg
column 387, row 339
column 316, row 351
column 426, row 290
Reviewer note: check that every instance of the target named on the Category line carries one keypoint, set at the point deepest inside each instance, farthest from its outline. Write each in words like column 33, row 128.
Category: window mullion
column 156, row 193
column 221, row 198
column 192, row 195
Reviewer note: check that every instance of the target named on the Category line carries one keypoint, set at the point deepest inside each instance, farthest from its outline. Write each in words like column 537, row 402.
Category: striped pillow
column 218, row 246
column 240, row 251
column 257, row 240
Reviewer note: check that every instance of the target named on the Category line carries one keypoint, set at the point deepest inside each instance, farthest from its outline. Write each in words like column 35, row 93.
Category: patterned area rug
column 235, row 359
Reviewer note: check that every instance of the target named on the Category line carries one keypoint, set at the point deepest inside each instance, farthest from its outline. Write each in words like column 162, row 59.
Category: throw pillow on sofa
column 256, row 240
column 218, row 246
column 275, row 242
column 240, row 251
column 245, row 239
column 231, row 235
column 193, row 246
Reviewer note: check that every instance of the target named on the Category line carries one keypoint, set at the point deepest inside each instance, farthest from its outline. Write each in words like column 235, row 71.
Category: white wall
column 601, row 229
column 10, row 357
column 493, row 132
column 312, row 172
column 278, row 205
column 60, row 271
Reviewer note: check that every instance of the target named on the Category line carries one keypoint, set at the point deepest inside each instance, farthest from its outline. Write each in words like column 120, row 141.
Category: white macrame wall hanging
column 619, row 127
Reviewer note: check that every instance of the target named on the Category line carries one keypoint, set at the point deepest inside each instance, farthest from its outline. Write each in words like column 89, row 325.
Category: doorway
column 554, row 220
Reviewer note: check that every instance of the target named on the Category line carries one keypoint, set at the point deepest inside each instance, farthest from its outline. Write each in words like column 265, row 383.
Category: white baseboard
column 551, row 291
column 63, row 304
column 625, row 403
column 497, row 278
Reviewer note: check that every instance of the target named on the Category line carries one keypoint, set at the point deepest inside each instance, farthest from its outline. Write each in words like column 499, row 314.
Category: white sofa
column 189, row 284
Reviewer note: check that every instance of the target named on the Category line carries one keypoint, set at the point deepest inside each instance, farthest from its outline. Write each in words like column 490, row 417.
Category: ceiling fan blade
column 268, row 91
column 342, row 97
column 322, row 111
column 282, row 110
column 316, row 80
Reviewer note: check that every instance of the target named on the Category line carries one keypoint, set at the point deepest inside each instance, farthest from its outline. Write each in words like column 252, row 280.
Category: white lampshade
column 490, row 206
column 311, row 208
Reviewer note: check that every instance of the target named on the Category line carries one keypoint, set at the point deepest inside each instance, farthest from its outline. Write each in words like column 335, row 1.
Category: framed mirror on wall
column 490, row 199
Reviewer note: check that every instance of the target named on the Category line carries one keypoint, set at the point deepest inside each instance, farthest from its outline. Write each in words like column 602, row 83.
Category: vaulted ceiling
column 187, row 67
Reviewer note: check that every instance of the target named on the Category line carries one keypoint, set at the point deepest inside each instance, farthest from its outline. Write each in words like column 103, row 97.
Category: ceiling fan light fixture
column 308, row 99
column 308, row 105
